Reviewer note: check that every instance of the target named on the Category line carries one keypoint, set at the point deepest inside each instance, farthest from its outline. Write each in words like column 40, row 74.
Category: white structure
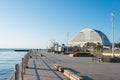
column 89, row 35
column 109, row 54
column 112, row 15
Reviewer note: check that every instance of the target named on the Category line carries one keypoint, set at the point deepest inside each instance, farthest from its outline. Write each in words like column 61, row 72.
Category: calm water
column 8, row 59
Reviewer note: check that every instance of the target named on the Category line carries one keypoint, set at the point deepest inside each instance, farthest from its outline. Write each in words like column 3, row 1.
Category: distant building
column 89, row 35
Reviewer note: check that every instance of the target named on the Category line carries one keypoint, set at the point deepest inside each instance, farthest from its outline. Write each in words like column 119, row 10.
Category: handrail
column 12, row 76
column 20, row 69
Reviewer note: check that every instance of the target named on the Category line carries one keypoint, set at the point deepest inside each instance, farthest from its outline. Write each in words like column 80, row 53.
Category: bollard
column 27, row 60
column 17, row 72
column 25, row 64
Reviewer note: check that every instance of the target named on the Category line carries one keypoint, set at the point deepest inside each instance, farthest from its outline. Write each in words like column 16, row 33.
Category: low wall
column 110, row 54
column 69, row 74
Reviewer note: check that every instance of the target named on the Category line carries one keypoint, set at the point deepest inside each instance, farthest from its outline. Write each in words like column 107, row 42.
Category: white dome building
column 89, row 35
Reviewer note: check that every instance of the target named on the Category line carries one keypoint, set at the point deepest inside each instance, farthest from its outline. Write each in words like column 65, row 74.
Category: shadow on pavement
column 78, row 73
column 74, row 71
column 87, row 78
column 37, row 74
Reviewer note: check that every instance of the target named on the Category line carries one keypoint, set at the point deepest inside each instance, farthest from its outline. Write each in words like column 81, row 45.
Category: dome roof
column 90, row 35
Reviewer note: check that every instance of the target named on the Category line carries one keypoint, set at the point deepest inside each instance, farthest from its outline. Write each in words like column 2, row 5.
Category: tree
column 99, row 47
column 53, row 44
column 94, row 46
column 87, row 45
column 117, row 45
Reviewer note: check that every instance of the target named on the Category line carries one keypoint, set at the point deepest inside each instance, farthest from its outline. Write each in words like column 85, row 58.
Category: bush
column 82, row 54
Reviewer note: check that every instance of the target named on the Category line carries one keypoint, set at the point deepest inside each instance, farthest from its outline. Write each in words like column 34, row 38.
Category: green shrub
column 84, row 54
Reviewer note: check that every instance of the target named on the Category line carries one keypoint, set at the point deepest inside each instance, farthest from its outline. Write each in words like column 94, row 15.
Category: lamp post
column 67, row 40
column 112, row 15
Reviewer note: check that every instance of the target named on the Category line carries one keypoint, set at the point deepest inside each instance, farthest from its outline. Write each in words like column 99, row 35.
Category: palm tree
column 117, row 45
column 94, row 46
column 99, row 47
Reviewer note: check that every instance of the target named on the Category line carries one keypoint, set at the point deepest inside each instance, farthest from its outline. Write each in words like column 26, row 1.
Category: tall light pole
column 112, row 15
column 67, row 40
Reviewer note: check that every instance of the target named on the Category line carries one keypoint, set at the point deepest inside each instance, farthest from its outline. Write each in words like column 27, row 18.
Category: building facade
column 89, row 35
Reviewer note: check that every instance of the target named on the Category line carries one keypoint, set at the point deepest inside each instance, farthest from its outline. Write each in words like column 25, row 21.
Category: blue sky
column 34, row 23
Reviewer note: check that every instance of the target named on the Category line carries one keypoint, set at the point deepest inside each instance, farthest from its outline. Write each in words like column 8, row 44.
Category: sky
column 35, row 23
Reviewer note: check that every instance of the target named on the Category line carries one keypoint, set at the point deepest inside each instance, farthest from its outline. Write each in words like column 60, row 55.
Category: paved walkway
column 39, row 68
column 42, row 68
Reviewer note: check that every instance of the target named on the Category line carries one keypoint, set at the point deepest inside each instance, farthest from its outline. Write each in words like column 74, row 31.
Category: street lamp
column 112, row 15
column 67, row 40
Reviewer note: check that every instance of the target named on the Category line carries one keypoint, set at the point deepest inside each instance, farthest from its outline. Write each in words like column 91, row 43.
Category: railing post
column 24, row 63
column 27, row 58
column 17, row 72
column 22, row 68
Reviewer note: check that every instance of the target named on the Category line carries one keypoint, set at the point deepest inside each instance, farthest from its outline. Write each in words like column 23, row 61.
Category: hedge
column 85, row 54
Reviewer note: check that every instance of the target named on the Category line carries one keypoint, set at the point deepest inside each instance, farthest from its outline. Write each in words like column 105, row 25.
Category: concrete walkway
column 39, row 68
column 42, row 68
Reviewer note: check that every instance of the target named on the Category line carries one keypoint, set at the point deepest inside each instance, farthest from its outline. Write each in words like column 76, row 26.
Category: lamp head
column 112, row 14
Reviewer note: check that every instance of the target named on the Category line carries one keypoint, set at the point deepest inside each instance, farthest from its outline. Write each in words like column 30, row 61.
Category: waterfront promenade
column 41, row 67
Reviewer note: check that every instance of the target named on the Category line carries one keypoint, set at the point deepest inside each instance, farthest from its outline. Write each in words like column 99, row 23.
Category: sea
column 8, row 59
